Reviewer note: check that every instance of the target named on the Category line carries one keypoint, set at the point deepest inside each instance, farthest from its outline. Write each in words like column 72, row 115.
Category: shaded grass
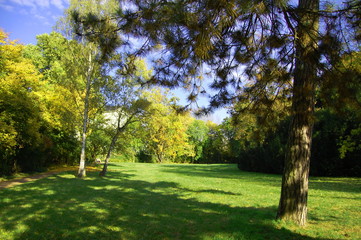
column 152, row 201
column 20, row 175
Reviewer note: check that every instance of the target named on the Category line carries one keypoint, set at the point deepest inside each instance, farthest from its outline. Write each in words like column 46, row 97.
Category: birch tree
column 80, row 10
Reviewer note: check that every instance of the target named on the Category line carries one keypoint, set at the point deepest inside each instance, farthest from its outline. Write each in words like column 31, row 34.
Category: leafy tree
column 223, row 143
column 165, row 130
column 216, row 146
column 262, row 149
column 344, row 97
column 75, row 75
column 74, row 24
column 52, row 56
column 20, row 113
column 198, row 135
column 260, row 133
column 93, row 58
column 33, row 120
column 328, row 155
column 131, row 145
column 98, row 138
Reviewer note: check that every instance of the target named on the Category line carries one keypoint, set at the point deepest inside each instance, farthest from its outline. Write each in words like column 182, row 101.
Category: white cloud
column 6, row 7
column 43, row 3
column 43, row 10
column 39, row 17
column 60, row 4
column 27, row 3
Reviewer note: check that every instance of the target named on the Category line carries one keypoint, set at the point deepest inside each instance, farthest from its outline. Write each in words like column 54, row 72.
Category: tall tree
column 268, row 43
column 77, row 81
column 88, row 83
column 81, row 10
column 294, row 192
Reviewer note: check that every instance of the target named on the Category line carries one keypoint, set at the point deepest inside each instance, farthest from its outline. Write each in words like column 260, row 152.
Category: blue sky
column 25, row 19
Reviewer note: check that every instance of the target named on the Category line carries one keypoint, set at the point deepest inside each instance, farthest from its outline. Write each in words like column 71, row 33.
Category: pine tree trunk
column 294, row 192
column 82, row 170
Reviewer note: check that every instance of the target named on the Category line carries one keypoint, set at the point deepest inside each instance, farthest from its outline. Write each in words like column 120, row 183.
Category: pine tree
column 268, row 45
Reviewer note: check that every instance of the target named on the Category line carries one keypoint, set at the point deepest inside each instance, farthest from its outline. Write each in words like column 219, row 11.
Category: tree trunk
column 294, row 192
column 82, row 170
column 103, row 173
column 114, row 140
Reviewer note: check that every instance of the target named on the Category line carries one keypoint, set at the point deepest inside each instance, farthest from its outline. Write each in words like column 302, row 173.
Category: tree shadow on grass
column 230, row 171
column 224, row 171
column 118, row 207
column 351, row 185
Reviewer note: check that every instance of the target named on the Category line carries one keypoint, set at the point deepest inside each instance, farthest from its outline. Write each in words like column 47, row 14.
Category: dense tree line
column 329, row 155
column 250, row 143
column 42, row 98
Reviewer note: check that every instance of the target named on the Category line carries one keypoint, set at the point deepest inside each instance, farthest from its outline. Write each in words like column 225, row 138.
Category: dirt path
column 18, row 181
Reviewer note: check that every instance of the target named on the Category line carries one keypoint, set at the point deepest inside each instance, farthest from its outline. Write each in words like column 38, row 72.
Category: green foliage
column 165, row 130
column 217, row 146
column 334, row 152
column 351, row 142
column 98, row 140
column 31, row 125
column 198, row 135
column 341, row 88
column 20, row 119
column 83, row 19
column 266, row 156
column 327, row 159
column 52, row 58
column 124, row 107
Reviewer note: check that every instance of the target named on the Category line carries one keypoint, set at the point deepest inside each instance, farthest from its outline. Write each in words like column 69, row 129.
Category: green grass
column 152, row 201
column 118, row 158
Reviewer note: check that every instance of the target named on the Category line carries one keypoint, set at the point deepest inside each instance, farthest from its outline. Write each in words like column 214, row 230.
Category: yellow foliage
column 20, row 93
column 166, row 129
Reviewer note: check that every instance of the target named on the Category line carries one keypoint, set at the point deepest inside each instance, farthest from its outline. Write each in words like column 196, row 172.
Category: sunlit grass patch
column 153, row 201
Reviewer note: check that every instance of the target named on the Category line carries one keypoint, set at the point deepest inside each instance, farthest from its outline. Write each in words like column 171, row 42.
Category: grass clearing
column 153, row 201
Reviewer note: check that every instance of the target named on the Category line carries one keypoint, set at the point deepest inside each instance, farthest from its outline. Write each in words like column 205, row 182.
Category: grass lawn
column 153, row 201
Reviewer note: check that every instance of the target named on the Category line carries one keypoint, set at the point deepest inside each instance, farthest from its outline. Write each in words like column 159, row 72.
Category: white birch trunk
column 82, row 169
